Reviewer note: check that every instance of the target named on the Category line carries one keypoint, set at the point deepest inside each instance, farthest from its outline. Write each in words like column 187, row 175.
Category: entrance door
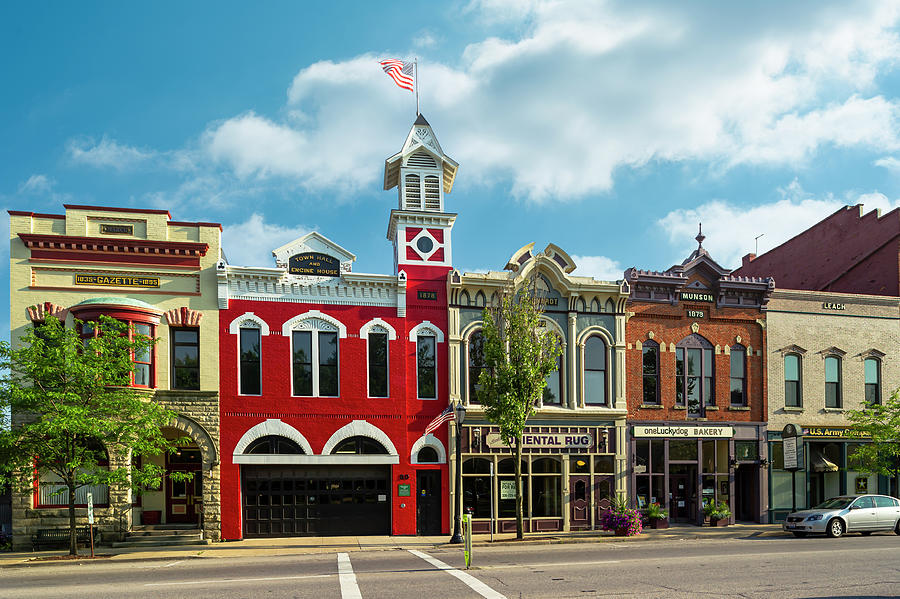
column 746, row 493
column 579, row 502
column 604, row 491
column 683, row 496
column 428, row 502
column 184, row 499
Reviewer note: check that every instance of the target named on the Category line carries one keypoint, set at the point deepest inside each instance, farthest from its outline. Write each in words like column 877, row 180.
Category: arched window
column 553, row 386
column 833, row 391
column 314, row 352
column 479, row 299
column 738, row 375
column 650, row 368
column 427, row 455
column 250, row 364
column 464, row 299
column 793, row 390
column 873, row 380
column 426, row 366
column 377, row 349
column 360, row 446
column 595, row 371
column 546, row 488
column 273, row 444
column 476, row 363
column 476, row 492
column 694, row 375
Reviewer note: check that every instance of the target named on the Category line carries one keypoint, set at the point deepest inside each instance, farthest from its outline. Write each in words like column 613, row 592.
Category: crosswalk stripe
column 349, row 587
column 473, row 583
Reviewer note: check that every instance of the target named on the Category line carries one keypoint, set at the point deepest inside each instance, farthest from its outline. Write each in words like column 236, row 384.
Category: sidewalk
column 313, row 545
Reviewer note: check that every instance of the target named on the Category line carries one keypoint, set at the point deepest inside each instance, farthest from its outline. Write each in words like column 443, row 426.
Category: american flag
column 401, row 72
column 445, row 416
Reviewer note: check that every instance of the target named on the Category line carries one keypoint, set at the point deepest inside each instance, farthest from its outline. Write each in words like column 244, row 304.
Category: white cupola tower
column 419, row 228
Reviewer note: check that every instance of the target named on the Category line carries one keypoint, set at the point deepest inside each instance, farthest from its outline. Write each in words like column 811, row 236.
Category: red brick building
column 329, row 377
column 696, row 388
column 848, row 252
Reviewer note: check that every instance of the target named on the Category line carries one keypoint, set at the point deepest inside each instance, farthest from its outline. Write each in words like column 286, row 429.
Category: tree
column 518, row 355
column 68, row 392
column 881, row 424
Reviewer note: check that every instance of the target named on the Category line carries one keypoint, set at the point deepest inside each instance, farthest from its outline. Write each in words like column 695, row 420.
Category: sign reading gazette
column 706, row 432
column 546, row 440
column 314, row 264
column 116, row 280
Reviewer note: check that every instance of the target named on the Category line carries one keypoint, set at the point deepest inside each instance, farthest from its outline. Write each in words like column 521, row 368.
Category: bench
column 60, row 536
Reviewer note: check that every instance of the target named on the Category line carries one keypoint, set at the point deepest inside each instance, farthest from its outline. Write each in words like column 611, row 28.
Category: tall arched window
column 426, row 366
column 833, row 391
column 694, row 375
column 314, row 344
column 738, row 375
column 476, row 363
column 793, row 391
column 250, row 373
column 873, row 380
column 553, row 387
column 650, row 368
column 595, row 372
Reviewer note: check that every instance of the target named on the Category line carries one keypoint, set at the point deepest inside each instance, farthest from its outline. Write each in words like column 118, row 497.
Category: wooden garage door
column 282, row 501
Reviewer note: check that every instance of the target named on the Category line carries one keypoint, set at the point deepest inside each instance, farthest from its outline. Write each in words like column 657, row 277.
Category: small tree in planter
column 657, row 517
column 624, row 521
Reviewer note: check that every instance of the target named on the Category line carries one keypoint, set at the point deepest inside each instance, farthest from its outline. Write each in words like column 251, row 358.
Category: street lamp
column 460, row 416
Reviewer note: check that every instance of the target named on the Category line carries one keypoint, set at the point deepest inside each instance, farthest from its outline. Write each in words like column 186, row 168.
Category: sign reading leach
column 117, row 280
column 313, row 264
column 710, row 432
column 546, row 440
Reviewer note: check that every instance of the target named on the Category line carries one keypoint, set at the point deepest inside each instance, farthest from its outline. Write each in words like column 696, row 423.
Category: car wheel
column 865, row 533
column 835, row 528
column 897, row 528
column 799, row 534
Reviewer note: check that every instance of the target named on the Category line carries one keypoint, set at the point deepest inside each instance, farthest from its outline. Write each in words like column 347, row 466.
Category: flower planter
column 722, row 522
column 658, row 523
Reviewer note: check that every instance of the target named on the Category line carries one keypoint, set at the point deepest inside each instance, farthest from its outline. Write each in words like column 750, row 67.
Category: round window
column 424, row 244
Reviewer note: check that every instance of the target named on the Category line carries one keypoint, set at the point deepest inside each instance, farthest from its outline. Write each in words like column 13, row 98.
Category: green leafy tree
column 71, row 404
column 518, row 355
column 881, row 424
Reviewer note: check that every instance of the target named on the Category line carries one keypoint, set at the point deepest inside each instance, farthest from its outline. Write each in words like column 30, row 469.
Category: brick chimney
column 747, row 259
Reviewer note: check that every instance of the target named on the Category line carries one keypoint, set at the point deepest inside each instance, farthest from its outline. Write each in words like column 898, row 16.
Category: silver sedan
column 864, row 514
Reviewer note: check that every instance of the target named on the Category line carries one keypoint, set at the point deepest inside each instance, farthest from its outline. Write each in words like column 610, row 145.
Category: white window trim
column 235, row 325
column 288, row 326
column 364, row 332
column 428, row 440
column 583, row 370
column 272, row 427
column 262, row 333
column 359, row 428
column 288, row 329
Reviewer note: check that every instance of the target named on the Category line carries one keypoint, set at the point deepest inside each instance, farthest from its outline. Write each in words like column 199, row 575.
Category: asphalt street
column 853, row 566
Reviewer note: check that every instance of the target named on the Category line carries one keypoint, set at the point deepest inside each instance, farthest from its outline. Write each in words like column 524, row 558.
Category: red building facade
column 696, row 387
column 329, row 377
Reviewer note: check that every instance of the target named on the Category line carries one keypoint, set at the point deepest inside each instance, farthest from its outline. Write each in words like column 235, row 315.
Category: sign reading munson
column 117, row 280
column 313, row 264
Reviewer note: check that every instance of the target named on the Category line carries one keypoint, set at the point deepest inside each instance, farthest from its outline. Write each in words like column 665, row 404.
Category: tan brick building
column 828, row 353
column 160, row 275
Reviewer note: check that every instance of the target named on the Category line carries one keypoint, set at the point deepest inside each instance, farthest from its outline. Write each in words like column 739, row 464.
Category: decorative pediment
column 792, row 349
column 183, row 317
column 40, row 312
column 872, row 353
column 833, row 351
column 314, row 256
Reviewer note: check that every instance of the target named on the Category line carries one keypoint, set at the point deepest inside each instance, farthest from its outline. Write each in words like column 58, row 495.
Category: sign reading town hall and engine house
column 314, row 264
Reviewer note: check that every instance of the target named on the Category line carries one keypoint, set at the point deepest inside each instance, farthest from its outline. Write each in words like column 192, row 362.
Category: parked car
column 863, row 514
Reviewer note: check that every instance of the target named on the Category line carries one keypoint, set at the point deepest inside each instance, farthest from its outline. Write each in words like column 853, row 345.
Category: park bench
column 60, row 536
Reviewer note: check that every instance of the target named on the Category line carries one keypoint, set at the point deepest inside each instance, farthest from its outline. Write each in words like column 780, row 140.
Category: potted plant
column 624, row 521
column 720, row 515
column 657, row 517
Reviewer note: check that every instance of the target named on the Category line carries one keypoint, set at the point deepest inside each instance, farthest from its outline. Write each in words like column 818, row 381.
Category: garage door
column 283, row 501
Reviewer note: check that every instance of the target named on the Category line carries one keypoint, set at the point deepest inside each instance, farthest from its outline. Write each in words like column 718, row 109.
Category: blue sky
column 608, row 128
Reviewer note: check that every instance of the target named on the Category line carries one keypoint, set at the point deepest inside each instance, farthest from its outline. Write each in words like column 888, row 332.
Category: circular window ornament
column 424, row 244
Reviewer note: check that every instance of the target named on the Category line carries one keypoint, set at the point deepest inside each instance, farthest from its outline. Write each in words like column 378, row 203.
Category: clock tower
column 420, row 228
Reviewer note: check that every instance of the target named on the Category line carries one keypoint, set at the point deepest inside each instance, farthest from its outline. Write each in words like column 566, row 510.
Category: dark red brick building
column 696, row 388
column 848, row 252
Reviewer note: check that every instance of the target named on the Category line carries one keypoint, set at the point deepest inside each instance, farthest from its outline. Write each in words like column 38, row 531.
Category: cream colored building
column 574, row 445
column 160, row 274
column 828, row 352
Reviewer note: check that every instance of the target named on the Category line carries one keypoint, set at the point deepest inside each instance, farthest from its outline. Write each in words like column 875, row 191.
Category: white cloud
column 251, row 242
column 37, row 184
column 425, row 39
column 107, row 153
column 585, row 88
column 599, row 267
column 889, row 162
column 730, row 230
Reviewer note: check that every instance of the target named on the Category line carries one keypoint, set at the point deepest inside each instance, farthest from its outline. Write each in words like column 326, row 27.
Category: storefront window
column 477, row 496
column 579, row 465
column 604, row 464
column 683, row 449
column 508, row 466
column 546, row 488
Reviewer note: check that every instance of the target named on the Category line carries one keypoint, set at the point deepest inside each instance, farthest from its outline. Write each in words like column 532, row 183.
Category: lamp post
column 460, row 416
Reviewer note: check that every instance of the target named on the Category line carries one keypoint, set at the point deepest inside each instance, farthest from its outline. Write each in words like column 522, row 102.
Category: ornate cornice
column 114, row 245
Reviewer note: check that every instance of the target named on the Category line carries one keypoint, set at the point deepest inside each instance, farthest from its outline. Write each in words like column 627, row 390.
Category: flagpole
column 416, row 68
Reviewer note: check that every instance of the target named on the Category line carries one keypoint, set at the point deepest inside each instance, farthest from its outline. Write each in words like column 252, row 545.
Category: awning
column 821, row 464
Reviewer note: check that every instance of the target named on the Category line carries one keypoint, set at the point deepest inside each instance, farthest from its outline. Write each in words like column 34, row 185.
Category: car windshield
column 835, row 503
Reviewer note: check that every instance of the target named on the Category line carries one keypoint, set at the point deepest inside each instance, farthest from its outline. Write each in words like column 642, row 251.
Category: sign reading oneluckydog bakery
column 546, row 441
column 117, row 280
column 314, row 264
column 707, row 432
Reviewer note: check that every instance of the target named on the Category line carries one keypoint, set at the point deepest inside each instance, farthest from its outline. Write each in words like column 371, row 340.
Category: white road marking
column 473, row 583
column 174, row 564
column 349, row 588
column 224, row 580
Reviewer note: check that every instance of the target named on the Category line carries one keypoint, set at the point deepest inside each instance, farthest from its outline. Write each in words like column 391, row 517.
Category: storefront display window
column 546, row 485
column 683, row 449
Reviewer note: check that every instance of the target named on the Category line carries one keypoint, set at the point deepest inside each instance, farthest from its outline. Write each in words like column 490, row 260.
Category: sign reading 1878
column 313, row 264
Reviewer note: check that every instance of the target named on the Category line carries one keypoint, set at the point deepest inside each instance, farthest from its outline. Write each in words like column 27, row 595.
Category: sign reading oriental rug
column 117, row 280
column 546, row 441
column 708, row 432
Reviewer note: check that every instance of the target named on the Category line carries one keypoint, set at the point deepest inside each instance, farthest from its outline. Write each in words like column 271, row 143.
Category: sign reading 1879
column 313, row 264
